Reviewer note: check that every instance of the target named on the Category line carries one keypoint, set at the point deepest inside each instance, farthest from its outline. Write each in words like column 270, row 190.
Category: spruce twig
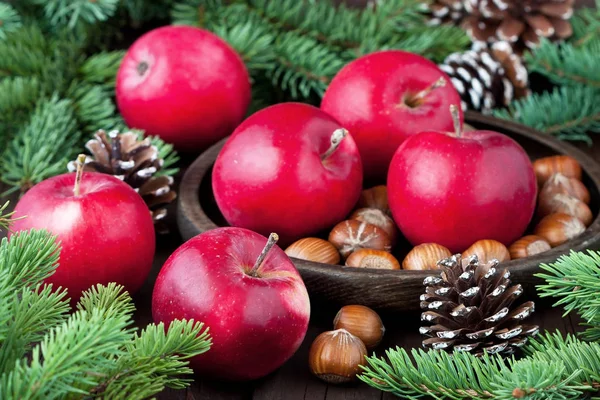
column 10, row 20
column 579, row 112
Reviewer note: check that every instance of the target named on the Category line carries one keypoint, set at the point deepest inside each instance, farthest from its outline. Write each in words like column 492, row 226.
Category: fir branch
column 579, row 112
column 71, row 358
column 6, row 218
column 43, row 146
column 24, row 53
column 27, row 259
column 17, row 93
column 32, row 313
column 586, row 25
column 577, row 356
column 159, row 356
column 72, row 12
column 112, row 298
column 251, row 38
column 143, row 10
column 464, row 376
column 101, row 68
column 574, row 280
column 565, row 64
column 304, row 66
column 94, row 108
column 10, row 20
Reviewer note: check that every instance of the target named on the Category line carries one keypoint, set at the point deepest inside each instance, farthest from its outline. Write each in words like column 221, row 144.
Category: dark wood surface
column 390, row 289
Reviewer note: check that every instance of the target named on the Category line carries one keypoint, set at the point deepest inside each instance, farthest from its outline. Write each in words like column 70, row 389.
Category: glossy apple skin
column 195, row 91
column 366, row 97
column 269, row 176
column 256, row 323
column 106, row 233
column 455, row 191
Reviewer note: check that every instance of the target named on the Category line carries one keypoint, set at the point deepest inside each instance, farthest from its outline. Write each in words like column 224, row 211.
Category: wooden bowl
column 387, row 289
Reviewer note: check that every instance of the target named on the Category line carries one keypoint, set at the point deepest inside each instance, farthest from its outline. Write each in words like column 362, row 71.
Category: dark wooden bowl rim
column 192, row 220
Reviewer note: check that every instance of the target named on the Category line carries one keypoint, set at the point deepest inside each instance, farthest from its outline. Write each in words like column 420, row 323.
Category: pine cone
column 519, row 22
column 470, row 305
column 445, row 12
column 487, row 77
column 133, row 161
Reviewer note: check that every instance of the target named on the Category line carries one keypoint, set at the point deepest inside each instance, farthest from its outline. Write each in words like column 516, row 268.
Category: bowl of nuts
column 365, row 258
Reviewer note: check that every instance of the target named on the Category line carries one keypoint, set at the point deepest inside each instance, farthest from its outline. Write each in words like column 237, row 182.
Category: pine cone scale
column 133, row 161
column 480, row 318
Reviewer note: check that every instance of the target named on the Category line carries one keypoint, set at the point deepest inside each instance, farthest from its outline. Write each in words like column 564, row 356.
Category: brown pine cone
column 487, row 77
column 471, row 307
column 445, row 11
column 519, row 22
column 133, row 161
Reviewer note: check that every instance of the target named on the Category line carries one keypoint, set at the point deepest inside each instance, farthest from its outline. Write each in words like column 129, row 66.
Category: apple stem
column 437, row 84
column 336, row 138
column 273, row 238
column 80, row 162
column 456, row 120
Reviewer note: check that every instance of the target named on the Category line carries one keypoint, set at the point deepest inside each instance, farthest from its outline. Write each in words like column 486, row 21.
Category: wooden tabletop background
column 293, row 380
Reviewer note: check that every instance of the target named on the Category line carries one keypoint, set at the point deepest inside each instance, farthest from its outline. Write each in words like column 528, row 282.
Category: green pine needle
column 566, row 64
column 112, row 298
column 71, row 358
column 574, row 280
column 31, row 156
column 32, row 313
column 6, row 218
column 586, row 25
column 568, row 112
column 101, row 68
column 71, row 12
column 27, row 259
column 94, row 108
column 10, row 20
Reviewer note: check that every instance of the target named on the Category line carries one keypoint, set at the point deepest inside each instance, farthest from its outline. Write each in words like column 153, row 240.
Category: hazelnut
column 368, row 258
column 425, row 256
column 559, row 183
column 337, row 356
column 546, row 167
column 551, row 203
column 314, row 249
column 487, row 250
column 375, row 197
column 528, row 246
column 559, row 228
column 351, row 235
column 378, row 218
column 362, row 322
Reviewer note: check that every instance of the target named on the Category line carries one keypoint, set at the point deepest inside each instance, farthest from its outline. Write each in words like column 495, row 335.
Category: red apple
column 456, row 188
column 248, row 293
column 105, row 230
column 289, row 168
column 385, row 97
column 183, row 84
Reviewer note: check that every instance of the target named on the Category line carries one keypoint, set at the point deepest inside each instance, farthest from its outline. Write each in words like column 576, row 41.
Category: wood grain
column 387, row 289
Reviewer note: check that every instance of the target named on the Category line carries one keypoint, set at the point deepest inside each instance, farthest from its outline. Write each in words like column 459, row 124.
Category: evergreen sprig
column 9, row 20
column 574, row 279
column 300, row 45
column 571, row 110
column 461, row 375
column 94, row 352
column 568, row 112
column 567, row 64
